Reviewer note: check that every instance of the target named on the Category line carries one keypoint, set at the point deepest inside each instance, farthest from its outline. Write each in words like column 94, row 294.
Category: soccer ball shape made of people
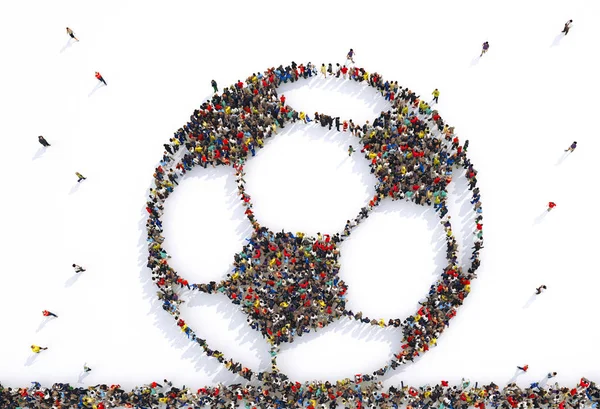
column 289, row 284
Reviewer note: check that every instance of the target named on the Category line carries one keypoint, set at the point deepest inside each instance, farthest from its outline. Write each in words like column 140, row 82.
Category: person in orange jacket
column 47, row 313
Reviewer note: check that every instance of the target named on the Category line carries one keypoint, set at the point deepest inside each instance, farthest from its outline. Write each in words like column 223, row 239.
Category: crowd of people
column 288, row 283
column 310, row 395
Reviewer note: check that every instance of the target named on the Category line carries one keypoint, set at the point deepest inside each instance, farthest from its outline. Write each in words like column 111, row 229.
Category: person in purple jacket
column 484, row 48
column 572, row 147
column 350, row 55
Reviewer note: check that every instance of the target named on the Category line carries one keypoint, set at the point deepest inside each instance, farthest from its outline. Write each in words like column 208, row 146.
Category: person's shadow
column 82, row 376
column 31, row 359
column 96, row 88
column 75, row 188
column 68, row 45
column 562, row 158
column 540, row 218
column 39, row 153
column 515, row 376
column 42, row 324
column 557, row 40
column 72, row 280
column 529, row 302
column 475, row 61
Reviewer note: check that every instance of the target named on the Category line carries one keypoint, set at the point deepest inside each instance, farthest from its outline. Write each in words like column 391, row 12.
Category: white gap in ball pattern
column 341, row 349
column 304, row 180
column 397, row 253
column 223, row 325
column 204, row 224
column 335, row 97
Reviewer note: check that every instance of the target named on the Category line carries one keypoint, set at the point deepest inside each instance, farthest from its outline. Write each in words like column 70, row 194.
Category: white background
column 520, row 106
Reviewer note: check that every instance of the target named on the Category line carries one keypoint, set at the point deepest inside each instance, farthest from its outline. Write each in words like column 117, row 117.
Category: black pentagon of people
column 288, row 283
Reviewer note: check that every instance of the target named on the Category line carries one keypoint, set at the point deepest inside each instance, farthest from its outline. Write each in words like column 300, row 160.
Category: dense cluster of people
column 287, row 394
column 288, row 284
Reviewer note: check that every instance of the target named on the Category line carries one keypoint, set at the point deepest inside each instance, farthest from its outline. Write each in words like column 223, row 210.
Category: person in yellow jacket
column 436, row 95
column 36, row 349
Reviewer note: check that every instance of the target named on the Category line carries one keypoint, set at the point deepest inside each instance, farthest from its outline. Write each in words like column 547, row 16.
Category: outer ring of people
column 411, row 151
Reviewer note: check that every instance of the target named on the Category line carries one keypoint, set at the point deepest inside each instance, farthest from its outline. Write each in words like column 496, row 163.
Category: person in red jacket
column 523, row 368
column 100, row 78
column 551, row 205
column 47, row 313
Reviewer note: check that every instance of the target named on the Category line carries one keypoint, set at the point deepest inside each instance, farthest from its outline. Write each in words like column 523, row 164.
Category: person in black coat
column 43, row 141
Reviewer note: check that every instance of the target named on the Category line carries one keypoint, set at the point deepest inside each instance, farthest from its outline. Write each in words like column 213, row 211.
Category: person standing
column 337, row 123
column 47, row 313
column 43, row 141
column 78, row 269
column 540, row 289
column 36, row 349
column 567, row 27
column 80, row 177
column 214, row 85
column 551, row 205
column 572, row 147
column 324, row 70
column 485, row 48
column 350, row 150
column 100, row 78
column 436, row 95
column 71, row 34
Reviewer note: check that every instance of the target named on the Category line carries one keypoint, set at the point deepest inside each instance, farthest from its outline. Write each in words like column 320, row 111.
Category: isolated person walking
column 47, row 313
column 43, row 141
column 539, row 290
column 572, row 147
column 71, row 34
column 100, row 78
column 485, row 48
column 86, row 368
column 80, row 177
column 551, row 205
column 350, row 55
column 78, row 269
column 350, row 150
column 436, row 95
column 214, row 85
column 36, row 349
column 567, row 27
column 523, row 368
